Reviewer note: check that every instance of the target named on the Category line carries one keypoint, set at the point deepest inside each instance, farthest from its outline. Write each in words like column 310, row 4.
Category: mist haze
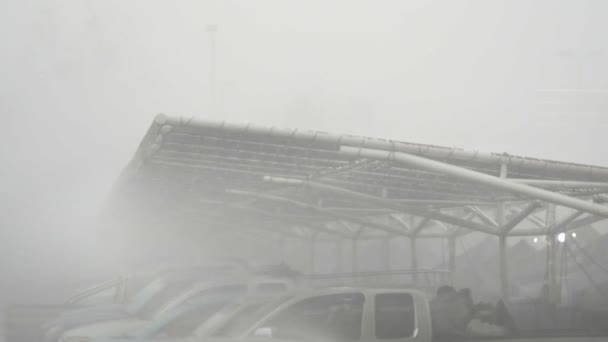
column 82, row 81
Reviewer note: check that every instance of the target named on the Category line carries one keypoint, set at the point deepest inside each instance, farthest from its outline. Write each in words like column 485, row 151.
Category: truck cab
column 344, row 314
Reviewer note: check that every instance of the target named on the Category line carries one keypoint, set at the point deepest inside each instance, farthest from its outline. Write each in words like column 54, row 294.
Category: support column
column 552, row 250
column 451, row 257
column 281, row 247
column 502, row 244
column 339, row 257
column 355, row 256
column 311, row 256
column 504, row 271
column 387, row 253
column 414, row 260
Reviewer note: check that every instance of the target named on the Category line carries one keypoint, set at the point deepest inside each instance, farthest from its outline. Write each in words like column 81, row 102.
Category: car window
column 245, row 319
column 395, row 315
column 159, row 300
column 143, row 295
column 217, row 319
column 240, row 320
column 184, row 323
column 335, row 317
column 202, row 295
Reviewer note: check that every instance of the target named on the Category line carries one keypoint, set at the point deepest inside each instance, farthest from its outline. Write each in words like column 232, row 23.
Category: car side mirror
column 267, row 332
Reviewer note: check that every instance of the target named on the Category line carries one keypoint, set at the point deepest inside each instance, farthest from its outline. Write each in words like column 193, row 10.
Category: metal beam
column 420, row 226
column 311, row 255
column 339, row 256
column 355, row 256
column 502, row 243
column 198, row 127
column 477, row 177
column 452, row 255
column 297, row 221
column 503, row 266
column 565, row 222
column 386, row 242
column 435, row 215
column 323, row 229
column 534, row 219
column 519, row 217
column 482, row 215
column 401, row 222
column 321, row 210
column 414, row 260
column 572, row 224
column 558, row 184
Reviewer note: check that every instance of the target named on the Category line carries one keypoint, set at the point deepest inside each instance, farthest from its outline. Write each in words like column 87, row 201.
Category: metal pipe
column 401, row 222
column 483, row 216
column 420, row 226
column 414, row 260
column 198, row 126
column 311, row 255
column 355, row 256
column 480, row 178
column 304, row 222
column 386, row 242
column 452, row 255
column 570, row 223
column 438, row 216
column 318, row 209
column 339, row 257
column 504, row 271
column 522, row 215
column 542, row 183
column 502, row 242
column 281, row 247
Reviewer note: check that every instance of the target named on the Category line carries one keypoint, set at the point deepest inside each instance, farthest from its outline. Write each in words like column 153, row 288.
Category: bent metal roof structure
column 303, row 184
column 203, row 177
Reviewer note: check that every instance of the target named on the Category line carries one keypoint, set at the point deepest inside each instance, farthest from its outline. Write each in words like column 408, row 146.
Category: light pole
column 212, row 31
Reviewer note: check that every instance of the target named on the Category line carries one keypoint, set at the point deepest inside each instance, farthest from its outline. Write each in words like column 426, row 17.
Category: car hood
column 106, row 329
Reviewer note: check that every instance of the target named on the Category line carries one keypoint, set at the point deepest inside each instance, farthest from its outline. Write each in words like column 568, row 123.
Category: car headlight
column 76, row 339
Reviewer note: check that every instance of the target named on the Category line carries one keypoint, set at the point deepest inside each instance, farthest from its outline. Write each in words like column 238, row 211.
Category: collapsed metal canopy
column 303, row 184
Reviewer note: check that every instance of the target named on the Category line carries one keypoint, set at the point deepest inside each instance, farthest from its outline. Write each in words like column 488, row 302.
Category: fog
column 82, row 80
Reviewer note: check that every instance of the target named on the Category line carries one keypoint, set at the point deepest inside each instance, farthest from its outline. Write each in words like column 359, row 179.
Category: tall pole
column 451, row 257
column 311, row 255
column 212, row 31
column 552, row 248
column 281, row 247
column 502, row 244
column 414, row 260
column 355, row 256
column 386, row 245
column 339, row 257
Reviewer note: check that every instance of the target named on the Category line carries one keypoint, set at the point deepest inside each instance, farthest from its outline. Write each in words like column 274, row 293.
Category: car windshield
column 144, row 295
column 245, row 318
column 159, row 300
column 181, row 321
column 218, row 319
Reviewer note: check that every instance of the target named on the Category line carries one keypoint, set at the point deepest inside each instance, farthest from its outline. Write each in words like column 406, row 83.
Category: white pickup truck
column 343, row 314
column 349, row 314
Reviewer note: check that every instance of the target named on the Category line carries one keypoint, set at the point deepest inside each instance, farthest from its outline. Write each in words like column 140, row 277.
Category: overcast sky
column 82, row 80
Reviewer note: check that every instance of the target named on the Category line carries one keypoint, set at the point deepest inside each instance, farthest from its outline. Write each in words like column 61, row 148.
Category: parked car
column 23, row 323
column 144, row 304
column 193, row 306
